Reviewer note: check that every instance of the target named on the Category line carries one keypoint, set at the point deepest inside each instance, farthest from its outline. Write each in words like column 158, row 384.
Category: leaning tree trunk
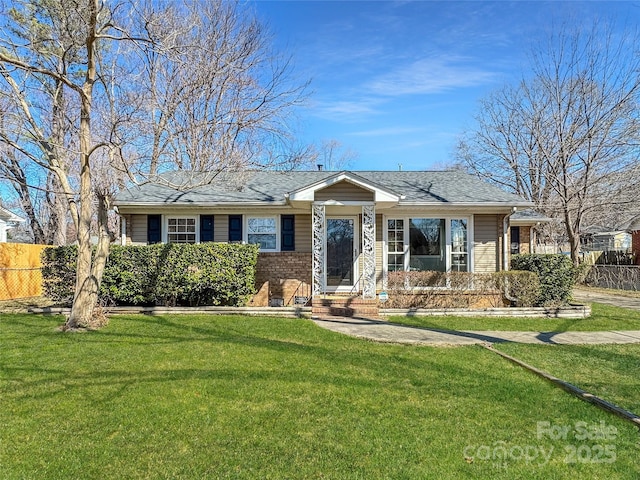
column 574, row 239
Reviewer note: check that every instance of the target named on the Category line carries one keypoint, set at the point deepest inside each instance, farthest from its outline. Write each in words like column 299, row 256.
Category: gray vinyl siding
column 486, row 244
column 303, row 231
column 345, row 192
column 221, row 228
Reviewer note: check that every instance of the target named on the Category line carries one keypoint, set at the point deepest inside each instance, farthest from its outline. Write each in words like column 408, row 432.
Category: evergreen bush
column 161, row 274
column 556, row 273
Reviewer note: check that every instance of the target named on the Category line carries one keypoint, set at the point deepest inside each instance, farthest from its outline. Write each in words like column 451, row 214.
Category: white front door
column 342, row 253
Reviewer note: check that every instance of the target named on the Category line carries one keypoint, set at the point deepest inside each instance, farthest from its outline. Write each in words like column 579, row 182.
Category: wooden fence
column 20, row 270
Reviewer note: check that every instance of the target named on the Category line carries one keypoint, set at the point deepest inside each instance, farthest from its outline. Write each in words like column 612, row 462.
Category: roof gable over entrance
column 345, row 187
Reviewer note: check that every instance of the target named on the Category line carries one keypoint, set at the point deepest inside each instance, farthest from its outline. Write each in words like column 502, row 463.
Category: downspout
column 505, row 239
column 505, row 254
column 123, row 226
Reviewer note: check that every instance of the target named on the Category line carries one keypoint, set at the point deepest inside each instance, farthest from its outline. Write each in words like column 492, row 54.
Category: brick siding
column 282, row 275
column 525, row 240
column 635, row 245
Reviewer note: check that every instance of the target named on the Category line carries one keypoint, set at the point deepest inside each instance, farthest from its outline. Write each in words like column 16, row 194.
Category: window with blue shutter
column 206, row 228
column 287, row 232
column 154, row 229
column 235, row 228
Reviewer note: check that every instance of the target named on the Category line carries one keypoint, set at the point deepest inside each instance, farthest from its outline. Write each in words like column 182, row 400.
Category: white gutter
column 505, row 240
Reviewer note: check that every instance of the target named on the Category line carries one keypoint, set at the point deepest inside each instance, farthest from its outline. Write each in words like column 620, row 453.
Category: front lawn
column 603, row 318
column 236, row 397
column 609, row 371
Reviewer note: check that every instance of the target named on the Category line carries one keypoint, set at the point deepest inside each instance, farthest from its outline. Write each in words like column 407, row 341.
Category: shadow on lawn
column 225, row 370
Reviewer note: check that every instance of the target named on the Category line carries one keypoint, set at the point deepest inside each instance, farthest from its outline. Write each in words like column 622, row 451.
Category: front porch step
column 344, row 306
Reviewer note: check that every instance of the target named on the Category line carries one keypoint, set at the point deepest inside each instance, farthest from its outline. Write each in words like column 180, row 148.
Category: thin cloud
column 385, row 132
column 432, row 75
column 346, row 108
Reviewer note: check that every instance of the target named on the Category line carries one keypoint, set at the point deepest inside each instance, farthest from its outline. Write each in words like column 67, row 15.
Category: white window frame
column 447, row 228
column 245, row 230
column 165, row 224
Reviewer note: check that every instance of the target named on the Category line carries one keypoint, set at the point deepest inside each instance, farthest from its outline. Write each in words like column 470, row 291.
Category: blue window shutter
column 235, row 228
column 287, row 231
column 154, row 229
column 206, row 228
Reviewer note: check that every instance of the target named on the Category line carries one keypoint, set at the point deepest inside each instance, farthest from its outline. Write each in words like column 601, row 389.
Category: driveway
column 589, row 296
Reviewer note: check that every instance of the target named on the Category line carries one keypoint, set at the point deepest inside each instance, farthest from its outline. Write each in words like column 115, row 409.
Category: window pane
column 395, row 245
column 181, row 230
column 459, row 253
column 261, row 225
column 396, row 263
column 426, row 236
column 262, row 231
column 266, row 241
column 426, row 244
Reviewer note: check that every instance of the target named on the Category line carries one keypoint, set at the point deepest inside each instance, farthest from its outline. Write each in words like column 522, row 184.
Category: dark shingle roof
column 183, row 188
column 530, row 215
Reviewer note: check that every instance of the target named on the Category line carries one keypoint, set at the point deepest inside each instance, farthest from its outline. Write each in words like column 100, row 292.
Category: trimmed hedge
column 162, row 274
column 431, row 289
column 556, row 273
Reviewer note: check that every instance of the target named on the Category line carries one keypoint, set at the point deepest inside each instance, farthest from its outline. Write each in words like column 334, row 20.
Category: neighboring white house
column 7, row 220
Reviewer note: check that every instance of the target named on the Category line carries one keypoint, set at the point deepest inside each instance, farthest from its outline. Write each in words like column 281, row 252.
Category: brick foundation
column 345, row 306
column 282, row 275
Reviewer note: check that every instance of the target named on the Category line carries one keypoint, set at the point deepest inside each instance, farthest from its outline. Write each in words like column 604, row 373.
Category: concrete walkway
column 381, row 331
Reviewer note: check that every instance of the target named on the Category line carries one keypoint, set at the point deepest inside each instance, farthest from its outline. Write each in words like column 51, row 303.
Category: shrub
column 206, row 274
column 556, row 274
column 171, row 274
column 461, row 289
column 130, row 275
column 59, row 273
column 518, row 286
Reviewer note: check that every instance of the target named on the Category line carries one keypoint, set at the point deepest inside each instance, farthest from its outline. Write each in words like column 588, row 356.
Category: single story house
column 8, row 220
column 323, row 232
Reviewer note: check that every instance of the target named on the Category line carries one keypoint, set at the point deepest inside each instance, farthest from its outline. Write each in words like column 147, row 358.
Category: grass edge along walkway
column 572, row 389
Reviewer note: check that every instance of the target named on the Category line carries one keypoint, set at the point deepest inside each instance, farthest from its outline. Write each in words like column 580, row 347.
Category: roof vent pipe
column 320, row 167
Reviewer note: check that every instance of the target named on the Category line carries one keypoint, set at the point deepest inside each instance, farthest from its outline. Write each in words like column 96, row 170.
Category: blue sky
column 397, row 82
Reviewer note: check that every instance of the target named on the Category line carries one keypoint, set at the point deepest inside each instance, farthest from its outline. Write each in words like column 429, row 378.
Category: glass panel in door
column 340, row 261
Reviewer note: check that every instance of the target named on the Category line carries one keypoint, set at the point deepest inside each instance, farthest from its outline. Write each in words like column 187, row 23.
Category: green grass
column 603, row 318
column 236, row 397
column 609, row 371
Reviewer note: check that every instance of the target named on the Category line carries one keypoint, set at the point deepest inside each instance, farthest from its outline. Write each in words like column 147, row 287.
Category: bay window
column 427, row 244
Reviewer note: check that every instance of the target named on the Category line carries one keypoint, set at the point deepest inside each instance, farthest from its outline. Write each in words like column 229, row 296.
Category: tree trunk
column 574, row 239
column 87, row 282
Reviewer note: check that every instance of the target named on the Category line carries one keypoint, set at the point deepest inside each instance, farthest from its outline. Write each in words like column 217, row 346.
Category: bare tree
column 51, row 49
column 566, row 137
column 215, row 96
column 131, row 89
